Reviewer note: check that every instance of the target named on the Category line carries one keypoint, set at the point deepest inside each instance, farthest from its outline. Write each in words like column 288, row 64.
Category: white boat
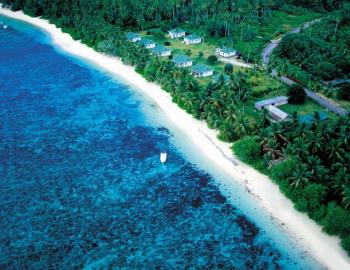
column 5, row 26
column 163, row 157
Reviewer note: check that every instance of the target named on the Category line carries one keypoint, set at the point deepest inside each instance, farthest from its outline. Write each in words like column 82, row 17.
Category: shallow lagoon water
column 82, row 185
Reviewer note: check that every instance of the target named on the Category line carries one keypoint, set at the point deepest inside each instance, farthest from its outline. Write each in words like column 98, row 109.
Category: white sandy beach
column 324, row 248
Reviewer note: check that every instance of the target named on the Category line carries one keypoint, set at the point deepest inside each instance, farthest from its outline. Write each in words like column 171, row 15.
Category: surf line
column 234, row 162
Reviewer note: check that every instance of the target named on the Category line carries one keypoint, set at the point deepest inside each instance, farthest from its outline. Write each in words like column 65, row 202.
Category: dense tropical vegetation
column 310, row 162
column 296, row 94
column 319, row 53
column 321, row 49
column 245, row 24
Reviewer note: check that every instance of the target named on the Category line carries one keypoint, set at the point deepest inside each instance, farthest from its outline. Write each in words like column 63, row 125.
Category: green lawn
column 302, row 109
column 282, row 23
column 264, row 85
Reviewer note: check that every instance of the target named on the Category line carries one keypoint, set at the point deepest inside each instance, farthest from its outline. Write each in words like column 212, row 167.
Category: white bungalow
column 177, row 33
column 226, row 52
column 201, row 70
column 182, row 61
column 133, row 37
column 161, row 51
column 147, row 43
column 192, row 39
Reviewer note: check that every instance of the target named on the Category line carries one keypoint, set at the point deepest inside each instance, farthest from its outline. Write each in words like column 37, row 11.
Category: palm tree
column 283, row 67
column 334, row 150
column 346, row 197
column 339, row 179
column 300, row 177
column 187, row 101
column 316, row 142
column 230, row 113
column 290, row 150
column 264, row 118
column 241, row 125
column 317, row 169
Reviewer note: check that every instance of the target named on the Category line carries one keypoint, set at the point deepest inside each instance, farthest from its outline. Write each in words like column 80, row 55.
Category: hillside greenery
column 310, row 162
column 319, row 55
column 323, row 49
column 246, row 25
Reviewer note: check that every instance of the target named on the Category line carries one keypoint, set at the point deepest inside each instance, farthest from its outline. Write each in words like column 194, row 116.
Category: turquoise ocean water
column 82, row 186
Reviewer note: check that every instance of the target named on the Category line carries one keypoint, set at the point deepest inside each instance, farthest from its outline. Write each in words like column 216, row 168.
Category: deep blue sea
column 82, row 186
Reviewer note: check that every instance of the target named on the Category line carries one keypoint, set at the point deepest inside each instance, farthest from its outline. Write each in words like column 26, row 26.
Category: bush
column 228, row 68
column 165, row 26
column 140, row 67
column 212, row 59
column 292, row 193
column 249, row 34
column 301, row 205
column 158, row 35
column 326, row 70
column 284, row 169
column 337, row 220
column 247, row 149
column 345, row 242
column 296, row 94
column 344, row 92
column 315, row 196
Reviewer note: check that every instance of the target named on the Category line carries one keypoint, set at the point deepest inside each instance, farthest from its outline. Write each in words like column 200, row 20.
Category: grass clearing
column 308, row 107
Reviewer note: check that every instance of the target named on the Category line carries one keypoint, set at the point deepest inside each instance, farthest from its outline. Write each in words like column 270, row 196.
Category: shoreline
column 325, row 249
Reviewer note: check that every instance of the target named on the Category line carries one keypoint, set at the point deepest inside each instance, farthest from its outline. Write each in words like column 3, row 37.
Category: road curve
column 324, row 102
column 266, row 55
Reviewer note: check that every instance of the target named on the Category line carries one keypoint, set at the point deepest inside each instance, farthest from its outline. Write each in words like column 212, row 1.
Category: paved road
column 274, row 43
column 324, row 102
column 268, row 51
